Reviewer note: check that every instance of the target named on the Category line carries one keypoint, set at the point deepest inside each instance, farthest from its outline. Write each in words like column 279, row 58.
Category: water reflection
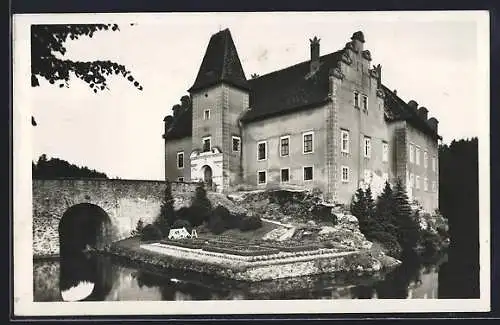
column 112, row 280
column 85, row 277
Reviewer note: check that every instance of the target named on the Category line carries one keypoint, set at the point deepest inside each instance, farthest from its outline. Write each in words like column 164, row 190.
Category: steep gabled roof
column 399, row 110
column 290, row 89
column 220, row 64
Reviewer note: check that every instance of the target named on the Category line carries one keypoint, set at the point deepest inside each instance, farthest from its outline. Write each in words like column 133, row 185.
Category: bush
column 216, row 224
column 388, row 241
column 323, row 213
column 151, row 232
column 201, row 208
column 181, row 223
column 250, row 223
column 138, row 228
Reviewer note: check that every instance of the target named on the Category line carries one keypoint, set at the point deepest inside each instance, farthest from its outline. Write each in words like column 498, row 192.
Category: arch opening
column 81, row 227
column 208, row 176
column 84, row 226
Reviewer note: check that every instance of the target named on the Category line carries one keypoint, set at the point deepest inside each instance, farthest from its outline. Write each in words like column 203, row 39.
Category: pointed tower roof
column 220, row 64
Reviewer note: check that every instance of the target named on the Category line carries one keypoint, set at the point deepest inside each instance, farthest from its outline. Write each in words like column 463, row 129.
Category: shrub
column 323, row 213
column 216, row 224
column 181, row 223
column 224, row 214
column 138, row 228
column 388, row 241
column 183, row 213
column 201, row 207
column 431, row 241
column 151, row 232
column 250, row 223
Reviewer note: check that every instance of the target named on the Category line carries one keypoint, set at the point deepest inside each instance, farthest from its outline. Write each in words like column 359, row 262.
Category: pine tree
column 201, row 207
column 408, row 229
column 370, row 203
column 167, row 212
column 385, row 210
column 358, row 205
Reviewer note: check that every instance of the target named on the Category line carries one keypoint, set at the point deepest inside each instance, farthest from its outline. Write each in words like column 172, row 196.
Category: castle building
column 327, row 123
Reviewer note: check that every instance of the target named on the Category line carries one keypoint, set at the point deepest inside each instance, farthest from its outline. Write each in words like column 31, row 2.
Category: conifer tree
column 408, row 229
column 358, row 205
column 385, row 210
column 167, row 212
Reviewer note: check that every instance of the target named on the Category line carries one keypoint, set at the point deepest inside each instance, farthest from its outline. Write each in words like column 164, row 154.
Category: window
column 368, row 147
column 284, row 146
column 412, row 157
column 434, row 186
column 180, row 160
column 426, row 186
column 262, row 150
column 417, row 155
column 412, row 183
column 207, row 145
column 356, row 99
column 344, row 146
column 417, row 182
column 180, row 179
column 308, row 173
column 385, row 151
column 433, row 164
column 206, row 114
column 345, row 174
column 236, row 144
column 261, row 177
column 308, row 142
column 425, row 159
column 285, row 175
column 365, row 102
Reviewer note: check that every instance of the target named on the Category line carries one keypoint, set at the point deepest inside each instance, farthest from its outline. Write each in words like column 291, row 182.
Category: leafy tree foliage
column 57, row 168
column 459, row 203
column 47, row 57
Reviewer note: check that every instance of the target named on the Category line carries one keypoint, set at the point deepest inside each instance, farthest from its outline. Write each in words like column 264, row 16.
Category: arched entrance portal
column 82, row 276
column 207, row 177
column 84, row 226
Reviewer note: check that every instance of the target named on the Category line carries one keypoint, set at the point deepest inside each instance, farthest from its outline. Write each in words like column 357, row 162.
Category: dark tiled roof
column 220, row 64
column 399, row 110
column 181, row 125
column 290, row 89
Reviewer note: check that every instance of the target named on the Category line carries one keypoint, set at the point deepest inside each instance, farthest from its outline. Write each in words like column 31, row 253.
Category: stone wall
column 125, row 202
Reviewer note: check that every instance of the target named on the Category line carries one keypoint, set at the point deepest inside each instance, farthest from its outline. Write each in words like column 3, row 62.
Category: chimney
column 358, row 39
column 314, row 54
column 395, row 91
column 413, row 104
column 433, row 122
column 168, row 122
column 176, row 109
column 185, row 102
column 422, row 112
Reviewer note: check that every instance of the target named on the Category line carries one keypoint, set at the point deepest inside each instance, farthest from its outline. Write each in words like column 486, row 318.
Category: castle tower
column 219, row 96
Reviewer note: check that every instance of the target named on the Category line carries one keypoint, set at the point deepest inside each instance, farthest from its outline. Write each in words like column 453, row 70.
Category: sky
column 434, row 60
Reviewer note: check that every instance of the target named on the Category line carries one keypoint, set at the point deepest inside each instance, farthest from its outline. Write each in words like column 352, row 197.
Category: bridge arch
column 84, row 225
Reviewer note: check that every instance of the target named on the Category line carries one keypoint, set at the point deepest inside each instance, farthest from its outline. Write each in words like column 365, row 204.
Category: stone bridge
column 123, row 201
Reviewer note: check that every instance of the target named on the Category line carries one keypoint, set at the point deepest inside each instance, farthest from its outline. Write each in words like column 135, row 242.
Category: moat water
column 103, row 278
